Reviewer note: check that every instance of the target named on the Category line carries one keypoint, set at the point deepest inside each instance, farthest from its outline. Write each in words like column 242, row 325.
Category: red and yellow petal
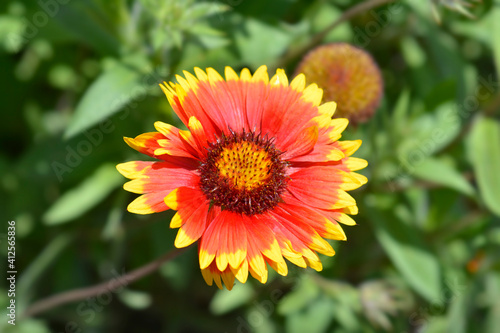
column 312, row 94
column 175, row 142
column 182, row 98
column 330, row 130
column 263, row 247
column 161, row 176
column 338, row 215
column 292, row 221
column 145, row 143
column 192, row 215
column 241, row 272
column 149, row 203
column 295, row 257
column 327, row 175
column 228, row 101
column 255, row 86
column 296, row 243
column 327, row 109
column 323, row 222
column 228, row 278
column 285, row 114
column 211, row 274
column 315, row 187
column 304, row 143
column 198, row 136
column 348, row 147
column 133, row 169
column 355, row 164
column 225, row 241
column 261, row 234
column 279, row 266
column 155, row 180
column 323, row 198
column 202, row 98
column 149, row 144
column 232, row 241
column 320, row 153
column 257, row 265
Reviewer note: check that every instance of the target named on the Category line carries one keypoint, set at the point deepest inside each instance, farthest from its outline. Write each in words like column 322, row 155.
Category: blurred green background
column 77, row 76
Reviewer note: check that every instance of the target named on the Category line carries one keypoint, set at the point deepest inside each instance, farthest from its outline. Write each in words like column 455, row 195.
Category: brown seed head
column 348, row 76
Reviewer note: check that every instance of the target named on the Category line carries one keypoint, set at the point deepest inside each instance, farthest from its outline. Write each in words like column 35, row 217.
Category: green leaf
column 89, row 24
column 260, row 43
column 458, row 313
column 25, row 326
column 38, row 266
column 75, row 202
column 198, row 55
column 435, row 325
column 322, row 15
column 11, row 30
column 441, row 92
column 413, row 53
column 306, row 291
column 400, row 114
column 493, row 290
column 112, row 90
column 495, row 43
column 439, row 172
column 407, row 250
column 209, row 37
column 347, row 318
column 137, row 300
column 113, row 228
column 478, row 30
column 429, row 133
column 315, row 319
column 203, row 9
column 116, row 11
column 483, row 150
column 444, row 52
column 213, row 42
column 401, row 109
column 204, row 29
column 226, row 301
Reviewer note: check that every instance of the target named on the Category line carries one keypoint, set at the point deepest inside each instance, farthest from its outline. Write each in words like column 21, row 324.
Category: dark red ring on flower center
column 243, row 173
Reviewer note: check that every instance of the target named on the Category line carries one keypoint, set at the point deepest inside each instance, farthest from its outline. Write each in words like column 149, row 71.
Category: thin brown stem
column 110, row 285
column 316, row 39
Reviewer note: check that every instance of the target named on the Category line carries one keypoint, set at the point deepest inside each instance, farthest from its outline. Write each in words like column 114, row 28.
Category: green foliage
column 109, row 93
column 407, row 250
column 484, row 155
column 85, row 196
column 225, row 301
column 78, row 76
column 440, row 172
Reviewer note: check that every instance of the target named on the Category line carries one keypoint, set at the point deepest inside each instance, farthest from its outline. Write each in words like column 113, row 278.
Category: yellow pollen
column 244, row 164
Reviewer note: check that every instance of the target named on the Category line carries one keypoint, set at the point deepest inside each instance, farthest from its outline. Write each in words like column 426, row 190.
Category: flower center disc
column 244, row 165
column 243, row 173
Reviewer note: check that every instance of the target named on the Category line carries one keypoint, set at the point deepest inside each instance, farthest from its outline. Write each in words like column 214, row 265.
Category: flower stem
column 83, row 293
column 316, row 39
